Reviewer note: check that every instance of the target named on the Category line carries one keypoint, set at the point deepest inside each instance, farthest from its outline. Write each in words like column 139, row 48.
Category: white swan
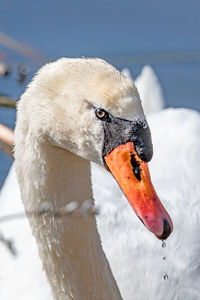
column 143, row 251
column 77, row 110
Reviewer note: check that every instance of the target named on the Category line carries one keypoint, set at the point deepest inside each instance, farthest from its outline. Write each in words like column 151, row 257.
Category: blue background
column 128, row 33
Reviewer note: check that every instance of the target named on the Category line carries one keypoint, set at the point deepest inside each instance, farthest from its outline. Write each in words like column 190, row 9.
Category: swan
column 140, row 256
column 73, row 112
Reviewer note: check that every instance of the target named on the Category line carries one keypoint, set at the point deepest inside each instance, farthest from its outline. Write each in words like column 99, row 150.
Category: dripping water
column 165, row 276
column 164, row 245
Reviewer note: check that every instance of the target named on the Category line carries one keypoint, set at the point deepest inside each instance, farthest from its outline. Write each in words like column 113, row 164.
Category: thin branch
column 19, row 47
column 7, row 102
column 6, row 135
column 71, row 209
column 6, row 139
column 9, row 244
column 6, row 148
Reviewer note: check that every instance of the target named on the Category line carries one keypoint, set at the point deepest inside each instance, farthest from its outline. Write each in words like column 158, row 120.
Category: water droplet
column 70, row 207
column 165, row 276
column 164, row 244
column 45, row 207
column 164, row 258
column 85, row 206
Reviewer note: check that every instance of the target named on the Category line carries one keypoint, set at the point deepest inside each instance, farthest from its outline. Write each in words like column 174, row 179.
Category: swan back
column 150, row 90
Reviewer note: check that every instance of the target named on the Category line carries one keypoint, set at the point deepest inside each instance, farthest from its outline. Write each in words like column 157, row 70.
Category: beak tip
column 167, row 230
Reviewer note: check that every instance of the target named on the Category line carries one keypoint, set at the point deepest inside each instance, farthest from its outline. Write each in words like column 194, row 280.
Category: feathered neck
column 70, row 248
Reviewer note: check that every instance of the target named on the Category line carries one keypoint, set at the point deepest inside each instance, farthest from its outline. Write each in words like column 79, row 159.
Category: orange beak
column 132, row 175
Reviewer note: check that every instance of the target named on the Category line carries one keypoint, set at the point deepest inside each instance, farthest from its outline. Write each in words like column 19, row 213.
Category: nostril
column 166, row 230
column 136, row 167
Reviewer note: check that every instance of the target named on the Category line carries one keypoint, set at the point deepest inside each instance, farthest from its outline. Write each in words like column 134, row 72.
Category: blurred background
column 127, row 33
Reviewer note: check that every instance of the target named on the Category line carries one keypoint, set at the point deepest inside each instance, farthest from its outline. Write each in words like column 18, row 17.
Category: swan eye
column 101, row 113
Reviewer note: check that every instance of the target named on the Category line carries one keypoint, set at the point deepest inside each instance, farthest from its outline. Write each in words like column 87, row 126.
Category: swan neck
column 70, row 247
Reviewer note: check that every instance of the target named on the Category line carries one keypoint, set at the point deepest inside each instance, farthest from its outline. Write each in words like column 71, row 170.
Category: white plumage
column 134, row 254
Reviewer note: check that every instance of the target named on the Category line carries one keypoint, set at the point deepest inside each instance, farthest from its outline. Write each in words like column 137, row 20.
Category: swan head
column 89, row 108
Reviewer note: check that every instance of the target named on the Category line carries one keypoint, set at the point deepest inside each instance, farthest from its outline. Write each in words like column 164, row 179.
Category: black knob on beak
column 142, row 142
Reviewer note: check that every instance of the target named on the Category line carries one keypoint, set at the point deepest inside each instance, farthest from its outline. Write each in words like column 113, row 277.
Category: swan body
column 128, row 266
